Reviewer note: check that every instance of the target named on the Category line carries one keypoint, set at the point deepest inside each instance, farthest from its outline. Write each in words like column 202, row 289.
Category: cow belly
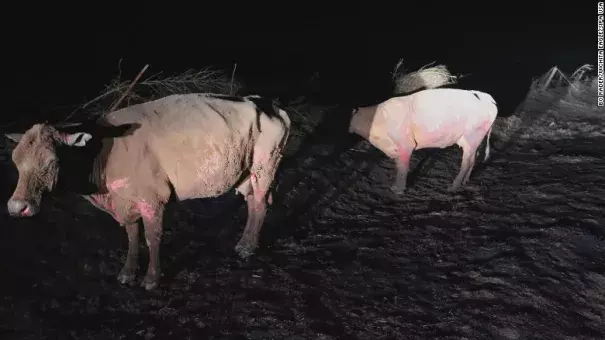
column 207, row 175
column 442, row 139
column 205, row 160
column 438, row 132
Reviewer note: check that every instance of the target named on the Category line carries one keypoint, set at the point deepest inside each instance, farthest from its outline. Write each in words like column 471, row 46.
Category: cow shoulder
column 264, row 105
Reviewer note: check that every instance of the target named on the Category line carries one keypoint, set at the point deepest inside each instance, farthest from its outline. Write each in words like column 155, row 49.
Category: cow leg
column 469, row 152
column 256, row 214
column 153, row 236
column 469, row 144
column 471, row 165
column 263, row 174
column 402, row 164
column 128, row 272
column 245, row 188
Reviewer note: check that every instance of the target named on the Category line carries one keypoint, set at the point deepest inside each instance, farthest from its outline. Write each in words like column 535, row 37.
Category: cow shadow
column 216, row 224
column 319, row 149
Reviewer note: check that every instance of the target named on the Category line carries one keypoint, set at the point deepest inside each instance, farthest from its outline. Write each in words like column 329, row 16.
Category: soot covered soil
column 519, row 254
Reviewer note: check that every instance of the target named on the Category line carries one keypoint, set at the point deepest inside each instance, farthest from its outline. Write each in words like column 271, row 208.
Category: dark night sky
column 59, row 56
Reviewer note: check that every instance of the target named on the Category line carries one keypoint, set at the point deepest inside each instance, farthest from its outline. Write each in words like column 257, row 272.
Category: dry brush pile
column 426, row 77
column 157, row 86
column 557, row 106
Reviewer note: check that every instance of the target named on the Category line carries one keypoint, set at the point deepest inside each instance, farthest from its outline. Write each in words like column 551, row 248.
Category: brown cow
column 186, row 146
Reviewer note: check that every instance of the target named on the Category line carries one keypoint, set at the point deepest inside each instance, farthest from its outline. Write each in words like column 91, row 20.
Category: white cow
column 433, row 118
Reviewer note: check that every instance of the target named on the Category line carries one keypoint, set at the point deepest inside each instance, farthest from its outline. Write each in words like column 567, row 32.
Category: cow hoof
column 244, row 251
column 472, row 188
column 397, row 190
column 126, row 278
column 149, row 284
column 151, row 279
column 453, row 189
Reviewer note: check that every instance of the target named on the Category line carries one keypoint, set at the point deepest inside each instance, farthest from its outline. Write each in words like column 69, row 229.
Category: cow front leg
column 128, row 272
column 402, row 164
column 152, row 221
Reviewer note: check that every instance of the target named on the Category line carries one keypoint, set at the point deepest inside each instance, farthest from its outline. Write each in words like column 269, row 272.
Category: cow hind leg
column 249, row 240
column 465, row 167
column 471, row 166
column 262, row 175
column 469, row 144
column 153, row 223
column 128, row 272
column 245, row 189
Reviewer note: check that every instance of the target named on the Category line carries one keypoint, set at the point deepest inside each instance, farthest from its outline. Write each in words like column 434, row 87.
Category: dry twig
column 115, row 106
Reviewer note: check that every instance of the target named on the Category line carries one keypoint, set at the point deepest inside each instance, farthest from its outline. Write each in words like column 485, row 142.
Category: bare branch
column 232, row 78
column 115, row 106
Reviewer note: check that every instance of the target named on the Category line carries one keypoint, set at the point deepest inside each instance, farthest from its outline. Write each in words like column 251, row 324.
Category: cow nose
column 18, row 207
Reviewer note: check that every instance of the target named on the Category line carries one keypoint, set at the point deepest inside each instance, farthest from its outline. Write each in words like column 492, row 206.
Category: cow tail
column 489, row 132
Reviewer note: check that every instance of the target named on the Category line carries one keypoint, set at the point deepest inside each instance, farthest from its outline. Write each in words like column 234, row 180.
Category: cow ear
column 15, row 137
column 77, row 139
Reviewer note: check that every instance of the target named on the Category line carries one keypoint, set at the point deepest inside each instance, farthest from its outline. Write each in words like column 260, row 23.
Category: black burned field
column 518, row 254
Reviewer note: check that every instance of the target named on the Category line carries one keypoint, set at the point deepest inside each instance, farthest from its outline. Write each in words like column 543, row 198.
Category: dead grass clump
column 157, row 86
column 583, row 88
column 573, row 94
column 425, row 77
column 558, row 106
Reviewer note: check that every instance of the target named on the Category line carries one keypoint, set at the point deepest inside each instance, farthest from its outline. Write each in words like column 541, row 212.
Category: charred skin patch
column 123, row 212
column 118, row 184
column 146, row 210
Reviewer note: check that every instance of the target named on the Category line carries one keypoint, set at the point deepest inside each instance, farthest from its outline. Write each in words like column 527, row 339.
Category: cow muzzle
column 21, row 208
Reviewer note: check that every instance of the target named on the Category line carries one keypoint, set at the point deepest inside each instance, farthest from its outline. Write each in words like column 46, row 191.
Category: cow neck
column 362, row 120
column 97, row 174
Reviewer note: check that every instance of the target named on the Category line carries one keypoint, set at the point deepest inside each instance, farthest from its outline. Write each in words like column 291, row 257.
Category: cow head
column 36, row 159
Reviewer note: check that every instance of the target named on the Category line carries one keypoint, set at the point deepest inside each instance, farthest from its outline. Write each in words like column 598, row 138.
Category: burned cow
column 177, row 147
column 433, row 118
